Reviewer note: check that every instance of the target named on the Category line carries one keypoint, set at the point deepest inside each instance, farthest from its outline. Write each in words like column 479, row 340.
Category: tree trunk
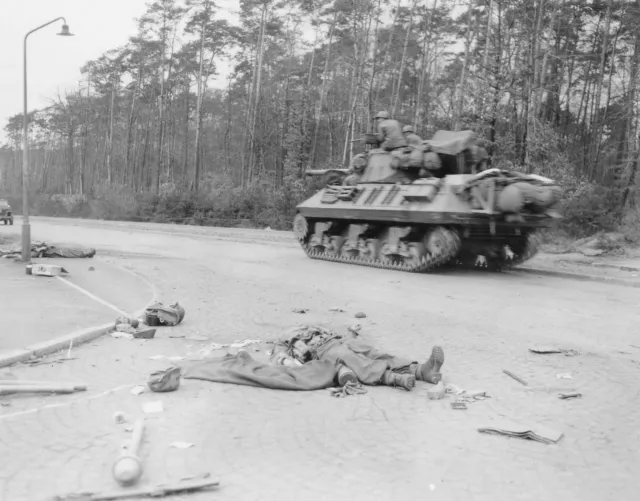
column 596, row 139
column 463, row 73
column 196, row 167
column 396, row 98
column 312, row 153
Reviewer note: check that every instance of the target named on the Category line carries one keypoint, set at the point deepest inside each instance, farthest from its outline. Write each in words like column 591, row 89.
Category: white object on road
column 181, row 445
column 163, row 357
column 137, row 390
column 47, row 270
column 152, row 407
column 564, row 375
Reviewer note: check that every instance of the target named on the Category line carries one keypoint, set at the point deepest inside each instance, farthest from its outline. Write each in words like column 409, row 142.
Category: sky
column 54, row 62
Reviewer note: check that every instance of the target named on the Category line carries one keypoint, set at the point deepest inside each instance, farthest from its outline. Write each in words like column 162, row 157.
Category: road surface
column 267, row 444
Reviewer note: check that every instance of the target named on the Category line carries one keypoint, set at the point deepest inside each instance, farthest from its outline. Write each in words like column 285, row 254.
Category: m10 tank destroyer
column 421, row 207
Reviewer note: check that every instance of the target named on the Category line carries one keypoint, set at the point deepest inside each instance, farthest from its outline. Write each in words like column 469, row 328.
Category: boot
column 406, row 381
column 430, row 370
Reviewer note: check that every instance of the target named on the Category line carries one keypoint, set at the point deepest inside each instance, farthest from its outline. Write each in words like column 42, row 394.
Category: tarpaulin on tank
column 379, row 167
column 447, row 142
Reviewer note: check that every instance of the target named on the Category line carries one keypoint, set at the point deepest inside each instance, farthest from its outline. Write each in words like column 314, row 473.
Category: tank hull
column 424, row 225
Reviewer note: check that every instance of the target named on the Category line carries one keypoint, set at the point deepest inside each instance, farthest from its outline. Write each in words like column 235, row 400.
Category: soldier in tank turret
column 411, row 137
column 389, row 132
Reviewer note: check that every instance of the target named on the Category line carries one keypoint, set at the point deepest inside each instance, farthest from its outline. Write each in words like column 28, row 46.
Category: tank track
column 427, row 263
column 531, row 248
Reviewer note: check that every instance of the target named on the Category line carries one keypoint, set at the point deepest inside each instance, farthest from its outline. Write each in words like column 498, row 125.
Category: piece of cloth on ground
column 51, row 251
column 244, row 370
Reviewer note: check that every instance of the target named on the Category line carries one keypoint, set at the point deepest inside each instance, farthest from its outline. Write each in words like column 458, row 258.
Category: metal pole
column 26, row 227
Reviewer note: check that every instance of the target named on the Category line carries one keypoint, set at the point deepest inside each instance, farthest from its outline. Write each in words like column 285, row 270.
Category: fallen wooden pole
column 41, row 388
column 28, row 382
column 511, row 374
column 154, row 492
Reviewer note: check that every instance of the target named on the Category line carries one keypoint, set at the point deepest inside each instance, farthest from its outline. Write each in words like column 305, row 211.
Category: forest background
column 551, row 85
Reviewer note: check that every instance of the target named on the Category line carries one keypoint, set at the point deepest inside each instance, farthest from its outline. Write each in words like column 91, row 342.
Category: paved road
column 263, row 444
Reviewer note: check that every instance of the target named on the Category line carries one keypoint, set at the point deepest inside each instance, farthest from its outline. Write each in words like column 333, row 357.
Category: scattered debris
column 144, row 333
column 544, row 350
column 198, row 338
column 437, row 392
column 174, row 358
column 463, row 397
column 564, row 375
column 350, row 388
column 355, row 329
column 127, row 469
column 335, row 308
column 69, row 350
column 573, row 394
column 165, row 381
column 152, row 407
column 119, row 418
column 151, row 492
column 45, row 270
column 181, row 445
column 91, row 268
column 125, row 328
column 300, row 310
column 137, row 390
column 5, row 404
column 511, row 374
column 133, row 322
column 538, row 433
column 121, row 335
column 360, row 315
column 158, row 314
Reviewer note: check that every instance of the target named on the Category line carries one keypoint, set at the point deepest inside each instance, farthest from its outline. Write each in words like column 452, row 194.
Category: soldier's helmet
column 408, row 128
column 382, row 114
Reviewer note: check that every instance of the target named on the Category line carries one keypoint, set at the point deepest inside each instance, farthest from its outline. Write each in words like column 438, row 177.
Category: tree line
column 551, row 85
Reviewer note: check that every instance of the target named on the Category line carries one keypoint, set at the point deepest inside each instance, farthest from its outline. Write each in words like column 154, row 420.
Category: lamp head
column 65, row 31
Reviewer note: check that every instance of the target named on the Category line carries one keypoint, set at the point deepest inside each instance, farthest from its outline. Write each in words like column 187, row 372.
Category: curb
column 78, row 337
column 578, row 276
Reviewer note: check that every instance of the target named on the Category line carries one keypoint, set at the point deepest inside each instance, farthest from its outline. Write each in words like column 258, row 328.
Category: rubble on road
column 537, row 433
column 546, row 350
column 573, row 394
column 512, row 375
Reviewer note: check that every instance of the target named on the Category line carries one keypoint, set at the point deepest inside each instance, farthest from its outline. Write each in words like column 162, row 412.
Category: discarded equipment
column 127, row 470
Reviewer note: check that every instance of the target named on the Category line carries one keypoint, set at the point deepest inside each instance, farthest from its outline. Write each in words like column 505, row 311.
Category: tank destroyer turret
column 421, row 207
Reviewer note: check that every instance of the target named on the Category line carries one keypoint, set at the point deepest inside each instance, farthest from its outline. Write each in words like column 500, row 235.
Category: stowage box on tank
column 417, row 208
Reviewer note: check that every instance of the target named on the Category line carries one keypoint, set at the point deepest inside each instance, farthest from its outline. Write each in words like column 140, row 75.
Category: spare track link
column 429, row 262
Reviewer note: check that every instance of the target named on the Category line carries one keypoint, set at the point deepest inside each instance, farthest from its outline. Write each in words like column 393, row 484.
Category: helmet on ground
column 408, row 128
column 382, row 114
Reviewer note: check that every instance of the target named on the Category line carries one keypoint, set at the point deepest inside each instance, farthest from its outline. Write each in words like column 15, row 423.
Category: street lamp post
column 26, row 227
